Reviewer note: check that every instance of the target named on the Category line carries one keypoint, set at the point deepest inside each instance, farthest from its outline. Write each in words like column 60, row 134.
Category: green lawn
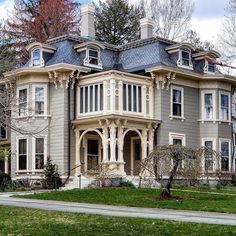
column 203, row 200
column 20, row 221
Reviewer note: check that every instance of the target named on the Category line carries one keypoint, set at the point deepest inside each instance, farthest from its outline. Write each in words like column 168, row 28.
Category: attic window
column 36, row 57
column 93, row 56
column 185, row 59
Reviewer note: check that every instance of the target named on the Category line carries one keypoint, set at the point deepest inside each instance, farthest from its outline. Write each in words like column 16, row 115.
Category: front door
column 136, row 155
column 92, row 154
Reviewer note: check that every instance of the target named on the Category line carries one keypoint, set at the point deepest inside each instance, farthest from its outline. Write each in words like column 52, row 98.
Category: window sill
column 216, row 121
column 186, row 67
column 177, row 118
column 94, row 66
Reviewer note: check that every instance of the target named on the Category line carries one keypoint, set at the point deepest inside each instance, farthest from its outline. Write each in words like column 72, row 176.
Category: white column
column 77, row 154
column 105, row 144
column 144, row 144
column 112, row 95
column 6, row 162
column 112, row 142
column 120, row 144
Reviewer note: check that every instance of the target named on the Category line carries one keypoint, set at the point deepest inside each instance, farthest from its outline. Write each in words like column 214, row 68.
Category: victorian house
column 103, row 104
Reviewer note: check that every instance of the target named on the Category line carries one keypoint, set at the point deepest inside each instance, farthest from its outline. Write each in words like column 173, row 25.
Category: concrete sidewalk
column 163, row 214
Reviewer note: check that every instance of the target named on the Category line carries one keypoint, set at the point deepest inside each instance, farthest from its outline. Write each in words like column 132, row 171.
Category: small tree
column 175, row 160
column 51, row 178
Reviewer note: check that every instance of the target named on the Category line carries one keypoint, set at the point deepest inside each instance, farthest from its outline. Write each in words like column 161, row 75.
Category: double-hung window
column 132, row 98
column 22, row 154
column 185, row 57
column 39, row 100
column 224, row 106
column 22, row 101
column 225, row 154
column 93, row 56
column 208, row 105
column 177, row 96
column 209, row 145
column 39, row 153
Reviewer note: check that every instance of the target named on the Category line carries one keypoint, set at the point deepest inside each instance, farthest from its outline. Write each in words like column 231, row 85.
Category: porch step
column 76, row 183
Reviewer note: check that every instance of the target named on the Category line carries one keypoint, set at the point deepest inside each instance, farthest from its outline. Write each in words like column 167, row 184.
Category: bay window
column 224, row 106
column 208, row 99
column 132, row 98
column 22, row 154
column 177, row 102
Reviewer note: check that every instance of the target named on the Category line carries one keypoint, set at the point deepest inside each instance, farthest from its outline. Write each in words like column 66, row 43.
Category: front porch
column 112, row 145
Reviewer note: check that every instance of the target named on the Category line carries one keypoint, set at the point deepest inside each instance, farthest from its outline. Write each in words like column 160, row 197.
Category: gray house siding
column 189, row 127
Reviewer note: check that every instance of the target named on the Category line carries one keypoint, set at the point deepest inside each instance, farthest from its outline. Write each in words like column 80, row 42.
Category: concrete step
column 77, row 183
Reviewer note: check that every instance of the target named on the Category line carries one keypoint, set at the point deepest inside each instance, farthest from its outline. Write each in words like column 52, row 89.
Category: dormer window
column 209, row 67
column 93, row 55
column 36, row 57
column 186, row 57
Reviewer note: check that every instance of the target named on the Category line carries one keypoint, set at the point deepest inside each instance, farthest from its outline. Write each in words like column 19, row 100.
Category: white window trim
column 42, row 62
column 230, row 151
column 182, row 103
column 45, row 137
column 229, row 106
column 213, row 148
column 17, row 102
column 86, row 60
column 45, row 87
column 173, row 136
column 206, row 68
column 179, row 62
column 17, row 154
column 203, row 92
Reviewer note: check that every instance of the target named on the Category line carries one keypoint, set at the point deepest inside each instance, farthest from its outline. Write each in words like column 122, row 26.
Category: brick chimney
column 87, row 21
column 147, row 26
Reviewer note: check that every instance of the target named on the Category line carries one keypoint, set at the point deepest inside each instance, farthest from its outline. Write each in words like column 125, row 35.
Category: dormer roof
column 44, row 47
column 176, row 47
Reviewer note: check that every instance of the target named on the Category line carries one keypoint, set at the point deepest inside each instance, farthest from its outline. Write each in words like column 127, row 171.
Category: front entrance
column 92, row 154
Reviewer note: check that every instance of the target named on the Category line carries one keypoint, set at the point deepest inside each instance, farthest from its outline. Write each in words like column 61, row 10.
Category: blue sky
column 206, row 20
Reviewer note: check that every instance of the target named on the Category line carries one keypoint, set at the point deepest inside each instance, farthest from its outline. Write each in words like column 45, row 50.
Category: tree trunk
column 166, row 191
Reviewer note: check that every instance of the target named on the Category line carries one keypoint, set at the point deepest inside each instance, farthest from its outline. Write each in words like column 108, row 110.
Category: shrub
column 126, row 184
column 4, row 177
column 51, row 177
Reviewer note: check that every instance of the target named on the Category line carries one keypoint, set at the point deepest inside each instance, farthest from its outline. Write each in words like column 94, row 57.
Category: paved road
column 176, row 215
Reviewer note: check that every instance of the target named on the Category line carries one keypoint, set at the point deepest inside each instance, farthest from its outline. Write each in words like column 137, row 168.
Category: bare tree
column 171, row 161
column 227, row 38
column 172, row 17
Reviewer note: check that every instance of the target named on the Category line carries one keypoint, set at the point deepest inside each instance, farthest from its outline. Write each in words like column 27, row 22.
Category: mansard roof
column 134, row 57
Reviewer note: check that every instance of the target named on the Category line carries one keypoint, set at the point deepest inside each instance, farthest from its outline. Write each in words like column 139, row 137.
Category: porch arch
column 87, row 131
column 135, row 130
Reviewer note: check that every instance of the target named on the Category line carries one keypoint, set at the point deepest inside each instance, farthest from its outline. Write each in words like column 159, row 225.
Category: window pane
column 224, row 107
column 22, row 154
column 81, row 99
column 135, row 98
column 124, row 97
column 101, row 97
column 129, row 98
column 91, row 98
column 86, row 99
column 211, row 67
column 177, row 141
column 36, row 57
column 139, row 99
column 225, row 156
column 208, row 106
column 39, row 161
column 23, row 95
column 96, row 97
column 39, row 94
column 22, row 146
column 176, row 96
column 39, row 145
column 177, row 110
column 3, row 133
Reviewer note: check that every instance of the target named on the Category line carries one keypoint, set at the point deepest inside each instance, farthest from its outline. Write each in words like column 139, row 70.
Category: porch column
column 105, row 144
column 120, row 144
column 77, row 155
column 112, row 142
column 144, row 144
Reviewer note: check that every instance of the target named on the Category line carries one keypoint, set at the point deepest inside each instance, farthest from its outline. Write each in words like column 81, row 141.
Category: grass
column 20, row 221
column 202, row 201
